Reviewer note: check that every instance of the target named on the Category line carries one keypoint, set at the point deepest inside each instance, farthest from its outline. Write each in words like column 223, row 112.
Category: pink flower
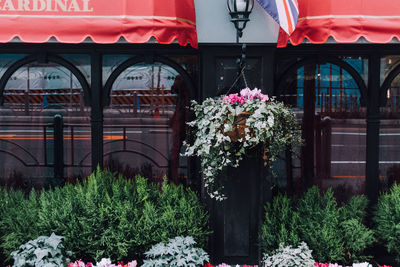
column 245, row 95
column 80, row 263
column 264, row 98
column 234, row 98
column 132, row 264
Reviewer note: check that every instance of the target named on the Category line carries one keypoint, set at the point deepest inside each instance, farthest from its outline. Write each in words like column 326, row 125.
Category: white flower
column 364, row 264
column 103, row 263
column 271, row 121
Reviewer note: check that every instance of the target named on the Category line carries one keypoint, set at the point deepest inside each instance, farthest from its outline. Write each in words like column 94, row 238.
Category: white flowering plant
column 227, row 127
column 290, row 257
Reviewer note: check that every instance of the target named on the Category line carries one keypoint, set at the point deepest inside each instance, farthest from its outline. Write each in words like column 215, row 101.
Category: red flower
column 208, row 265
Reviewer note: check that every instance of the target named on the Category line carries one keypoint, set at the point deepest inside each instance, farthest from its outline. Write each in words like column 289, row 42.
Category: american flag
column 284, row 12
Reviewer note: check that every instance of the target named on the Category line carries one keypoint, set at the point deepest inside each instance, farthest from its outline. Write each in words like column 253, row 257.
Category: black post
column 307, row 151
column 236, row 221
column 97, row 111
column 58, row 151
column 372, row 166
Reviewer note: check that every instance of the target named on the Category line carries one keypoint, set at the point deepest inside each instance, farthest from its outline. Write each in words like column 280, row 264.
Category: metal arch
column 145, row 58
column 386, row 84
column 319, row 60
column 18, row 158
column 125, row 151
column 23, row 149
column 48, row 57
column 137, row 142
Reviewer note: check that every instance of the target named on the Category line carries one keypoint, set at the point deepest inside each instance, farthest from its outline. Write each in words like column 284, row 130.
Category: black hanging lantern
column 240, row 11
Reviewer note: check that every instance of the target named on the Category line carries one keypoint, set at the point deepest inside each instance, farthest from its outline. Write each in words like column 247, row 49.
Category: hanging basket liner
column 239, row 126
column 104, row 21
column 378, row 21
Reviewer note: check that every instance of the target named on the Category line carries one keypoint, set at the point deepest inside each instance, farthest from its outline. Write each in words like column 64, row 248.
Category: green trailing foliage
column 334, row 234
column 104, row 217
column 387, row 220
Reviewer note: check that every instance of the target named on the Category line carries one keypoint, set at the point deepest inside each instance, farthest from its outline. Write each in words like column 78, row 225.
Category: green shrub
column 280, row 225
column 334, row 234
column 319, row 225
column 356, row 236
column 18, row 217
column 107, row 217
column 387, row 220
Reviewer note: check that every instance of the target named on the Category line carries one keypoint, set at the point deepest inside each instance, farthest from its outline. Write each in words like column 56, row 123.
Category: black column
column 58, row 151
column 372, row 166
column 236, row 221
column 96, row 110
column 307, row 151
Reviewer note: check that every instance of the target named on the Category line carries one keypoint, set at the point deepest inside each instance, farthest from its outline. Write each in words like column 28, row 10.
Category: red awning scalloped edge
column 343, row 29
column 101, row 29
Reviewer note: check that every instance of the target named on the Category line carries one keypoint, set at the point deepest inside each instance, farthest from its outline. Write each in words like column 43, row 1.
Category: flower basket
column 239, row 127
column 227, row 127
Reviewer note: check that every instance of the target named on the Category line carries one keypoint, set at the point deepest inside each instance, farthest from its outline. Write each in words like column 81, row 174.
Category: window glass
column 110, row 63
column 327, row 102
column 145, row 124
column 389, row 148
column 34, row 94
column 82, row 62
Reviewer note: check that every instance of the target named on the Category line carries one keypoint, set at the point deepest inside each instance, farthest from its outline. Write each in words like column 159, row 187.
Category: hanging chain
column 242, row 65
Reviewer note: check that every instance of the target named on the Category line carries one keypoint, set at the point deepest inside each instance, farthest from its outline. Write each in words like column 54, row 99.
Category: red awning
column 104, row 21
column 378, row 21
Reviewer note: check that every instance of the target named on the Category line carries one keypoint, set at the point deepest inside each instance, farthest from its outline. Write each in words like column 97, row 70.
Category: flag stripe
column 284, row 12
column 281, row 11
column 270, row 7
column 287, row 17
column 294, row 11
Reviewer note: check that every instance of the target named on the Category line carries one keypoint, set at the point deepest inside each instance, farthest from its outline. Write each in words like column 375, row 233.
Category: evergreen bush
column 387, row 220
column 18, row 217
column 319, row 225
column 334, row 234
column 356, row 236
column 104, row 217
column 280, row 225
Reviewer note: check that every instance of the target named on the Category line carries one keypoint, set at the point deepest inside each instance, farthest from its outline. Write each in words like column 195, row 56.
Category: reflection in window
column 336, row 93
column 37, row 87
column 145, row 123
column 392, row 108
column 327, row 101
column 33, row 95
column 110, row 63
column 389, row 136
column 6, row 60
column 145, row 90
column 82, row 62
